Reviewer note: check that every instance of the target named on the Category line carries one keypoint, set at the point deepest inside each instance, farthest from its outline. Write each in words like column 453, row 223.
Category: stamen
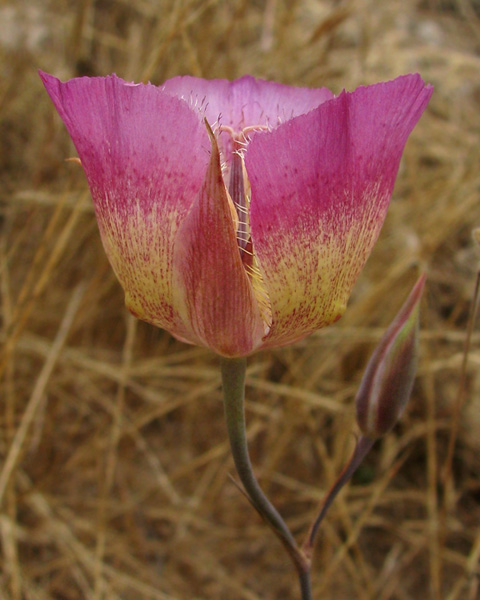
column 254, row 129
column 227, row 129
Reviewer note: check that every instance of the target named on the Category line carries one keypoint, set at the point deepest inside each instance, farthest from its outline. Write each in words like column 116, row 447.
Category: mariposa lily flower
column 238, row 215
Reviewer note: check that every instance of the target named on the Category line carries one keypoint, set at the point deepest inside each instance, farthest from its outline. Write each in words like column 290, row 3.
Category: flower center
column 238, row 184
column 239, row 190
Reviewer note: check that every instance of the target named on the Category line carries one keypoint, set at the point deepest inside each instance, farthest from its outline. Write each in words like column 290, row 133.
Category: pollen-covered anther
column 74, row 159
column 242, row 136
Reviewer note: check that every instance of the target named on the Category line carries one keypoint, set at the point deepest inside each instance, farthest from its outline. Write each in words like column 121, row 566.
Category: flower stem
column 233, row 378
column 305, row 585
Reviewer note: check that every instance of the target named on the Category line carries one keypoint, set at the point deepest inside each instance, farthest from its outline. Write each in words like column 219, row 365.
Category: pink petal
column 145, row 155
column 213, row 287
column 246, row 101
column 321, row 185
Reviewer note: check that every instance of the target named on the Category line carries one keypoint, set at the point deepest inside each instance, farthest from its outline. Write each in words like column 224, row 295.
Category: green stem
column 233, row 378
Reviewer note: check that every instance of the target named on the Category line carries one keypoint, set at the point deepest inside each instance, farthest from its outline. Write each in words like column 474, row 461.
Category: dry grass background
column 114, row 470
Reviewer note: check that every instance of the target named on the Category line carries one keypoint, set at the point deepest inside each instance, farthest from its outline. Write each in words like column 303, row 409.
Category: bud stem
column 362, row 448
column 233, row 379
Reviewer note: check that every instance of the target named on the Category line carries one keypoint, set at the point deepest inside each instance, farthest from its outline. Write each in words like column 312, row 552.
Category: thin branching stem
column 362, row 448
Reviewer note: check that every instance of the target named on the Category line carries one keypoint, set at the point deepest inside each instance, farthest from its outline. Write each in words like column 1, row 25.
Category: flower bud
column 390, row 373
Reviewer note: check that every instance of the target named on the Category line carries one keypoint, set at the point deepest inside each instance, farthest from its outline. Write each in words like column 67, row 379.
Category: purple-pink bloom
column 238, row 215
